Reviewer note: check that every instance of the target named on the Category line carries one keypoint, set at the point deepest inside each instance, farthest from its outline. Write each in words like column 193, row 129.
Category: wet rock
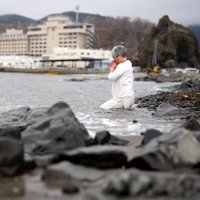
column 104, row 137
column 58, row 130
column 35, row 115
column 13, row 122
column 11, row 131
column 192, row 124
column 149, row 135
column 189, row 85
column 69, row 187
column 166, row 110
column 16, row 116
column 102, row 157
column 43, row 161
column 177, row 149
column 11, row 157
column 66, row 170
column 127, row 184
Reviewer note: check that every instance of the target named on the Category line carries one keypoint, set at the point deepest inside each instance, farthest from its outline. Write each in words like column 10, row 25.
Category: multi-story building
column 59, row 31
column 13, row 42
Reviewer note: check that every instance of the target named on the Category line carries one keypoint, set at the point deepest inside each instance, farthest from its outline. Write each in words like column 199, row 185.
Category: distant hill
column 15, row 19
column 177, row 46
column 18, row 21
column 82, row 16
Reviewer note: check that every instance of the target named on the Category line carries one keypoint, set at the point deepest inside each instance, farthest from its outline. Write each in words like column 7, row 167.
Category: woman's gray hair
column 119, row 49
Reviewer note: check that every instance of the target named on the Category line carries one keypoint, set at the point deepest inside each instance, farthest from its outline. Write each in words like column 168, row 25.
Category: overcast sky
column 185, row 12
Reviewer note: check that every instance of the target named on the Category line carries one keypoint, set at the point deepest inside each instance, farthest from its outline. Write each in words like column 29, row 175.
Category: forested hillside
column 176, row 46
column 196, row 30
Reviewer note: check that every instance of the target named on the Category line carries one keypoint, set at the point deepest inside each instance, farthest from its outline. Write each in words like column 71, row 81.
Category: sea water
column 84, row 94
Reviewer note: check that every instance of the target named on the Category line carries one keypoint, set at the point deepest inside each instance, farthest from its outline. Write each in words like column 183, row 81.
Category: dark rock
column 177, row 149
column 170, row 111
column 16, row 117
column 58, row 130
column 102, row 157
column 13, row 122
column 126, row 184
column 35, row 115
column 69, row 187
column 104, row 137
column 11, row 131
column 43, row 161
column 149, row 135
column 192, row 124
column 144, row 186
column 66, row 170
column 11, row 157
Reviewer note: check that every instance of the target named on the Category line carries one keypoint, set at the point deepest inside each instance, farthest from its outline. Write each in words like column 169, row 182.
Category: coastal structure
column 18, row 62
column 77, row 58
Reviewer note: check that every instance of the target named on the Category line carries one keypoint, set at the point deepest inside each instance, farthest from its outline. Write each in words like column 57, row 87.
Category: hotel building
column 13, row 42
column 57, row 31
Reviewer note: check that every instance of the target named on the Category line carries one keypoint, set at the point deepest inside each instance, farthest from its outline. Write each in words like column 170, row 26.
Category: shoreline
column 61, row 70
column 144, row 166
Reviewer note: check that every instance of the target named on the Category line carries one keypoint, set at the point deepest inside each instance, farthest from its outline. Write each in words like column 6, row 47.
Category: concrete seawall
column 59, row 70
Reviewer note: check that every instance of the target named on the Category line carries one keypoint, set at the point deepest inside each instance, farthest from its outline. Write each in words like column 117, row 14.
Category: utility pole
column 77, row 13
column 154, row 60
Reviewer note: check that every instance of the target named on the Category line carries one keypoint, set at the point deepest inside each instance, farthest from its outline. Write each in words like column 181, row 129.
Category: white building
column 78, row 58
column 18, row 62
column 13, row 42
column 59, row 31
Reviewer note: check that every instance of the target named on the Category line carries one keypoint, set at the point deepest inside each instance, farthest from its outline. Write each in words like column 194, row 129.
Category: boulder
column 177, row 149
column 66, row 170
column 149, row 135
column 11, row 157
column 192, row 124
column 56, row 131
column 13, row 122
column 141, row 185
column 166, row 110
column 97, row 156
column 104, row 137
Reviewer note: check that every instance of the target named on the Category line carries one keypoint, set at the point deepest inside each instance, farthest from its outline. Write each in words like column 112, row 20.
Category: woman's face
column 117, row 59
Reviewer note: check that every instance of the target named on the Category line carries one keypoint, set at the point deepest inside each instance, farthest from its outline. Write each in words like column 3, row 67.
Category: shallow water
column 84, row 94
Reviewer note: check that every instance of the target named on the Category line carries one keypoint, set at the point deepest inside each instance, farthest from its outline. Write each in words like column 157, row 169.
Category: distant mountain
column 18, row 21
column 82, row 17
column 15, row 19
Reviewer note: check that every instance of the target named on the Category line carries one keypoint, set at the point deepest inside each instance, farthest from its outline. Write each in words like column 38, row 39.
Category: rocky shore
column 184, row 98
column 46, row 153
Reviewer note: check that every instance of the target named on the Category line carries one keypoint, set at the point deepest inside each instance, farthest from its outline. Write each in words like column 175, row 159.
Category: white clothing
column 122, row 87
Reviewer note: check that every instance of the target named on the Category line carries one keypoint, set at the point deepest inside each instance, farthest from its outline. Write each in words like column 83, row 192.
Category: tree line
column 111, row 31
